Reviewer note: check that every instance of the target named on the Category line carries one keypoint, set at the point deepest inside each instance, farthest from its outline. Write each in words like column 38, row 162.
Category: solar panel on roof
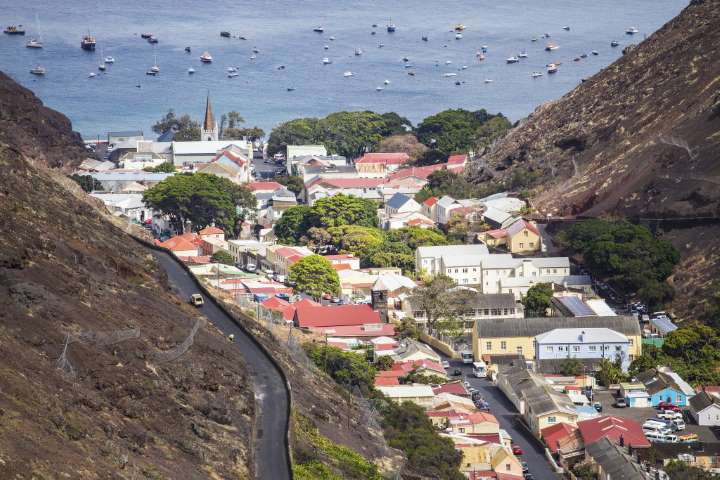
column 576, row 306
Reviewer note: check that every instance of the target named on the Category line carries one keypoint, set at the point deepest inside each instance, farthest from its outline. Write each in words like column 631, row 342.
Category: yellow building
column 480, row 455
column 520, row 236
column 516, row 336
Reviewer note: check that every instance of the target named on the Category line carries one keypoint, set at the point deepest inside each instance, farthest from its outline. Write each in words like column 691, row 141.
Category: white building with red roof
column 212, row 231
column 348, row 259
column 381, row 162
column 280, row 258
column 185, row 245
column 311, row 315
column 362, row 187
column 231, row 162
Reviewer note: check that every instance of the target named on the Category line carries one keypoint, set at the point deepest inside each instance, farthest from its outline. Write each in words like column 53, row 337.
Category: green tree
column 293, row 183
column 415, row 237
column 221, row 256
column 394, row 124
column 431, row 157
column 456, row 130
column 301, row 131
column 490, row 131
column 677, row 469
column 439, row 300
column 571, row 367
column 405, row 143
column 358, row 240
column 384, row 362
column 339, row 210
column 202, row 199
column 86, row 182
column 610, row 373
column 185, row 128
column 537, row 300
column 352, row 133
column 165, row 167
column 293, row 224
column 315, row 276
column 346, row 368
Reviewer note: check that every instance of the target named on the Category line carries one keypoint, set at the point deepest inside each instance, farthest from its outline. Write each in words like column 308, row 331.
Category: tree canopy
column 537, row 300
column 165, row 167
column 201, row 198
column 628, row 255
column 300, row 131
column 86, row 182
column 439, row 299
column 221, row 256
column 293, row 183
column 185, row 128
column 459, row 130
column 315, row 276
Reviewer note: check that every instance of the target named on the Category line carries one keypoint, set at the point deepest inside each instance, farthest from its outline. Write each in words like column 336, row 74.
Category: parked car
column 516, row 450
column 620, row 403
column 457, row 372
column 283, row 296
column 528, row 476
column 196, row 300
column 525, row 467
column 445, row 364
column 679, row 424
column 670, row 414
column 668, row 406
column 598, row 407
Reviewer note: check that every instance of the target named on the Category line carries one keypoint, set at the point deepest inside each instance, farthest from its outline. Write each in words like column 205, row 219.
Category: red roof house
column 431, row 201
column 183, row 245
column 457, row 159
column 555, row 436
column 456, row 388
column 282, row 306
column 211, row 230
column 386, row 381
column 262, row 186
column 614, row 428
column 313, row 315
column 384, row 158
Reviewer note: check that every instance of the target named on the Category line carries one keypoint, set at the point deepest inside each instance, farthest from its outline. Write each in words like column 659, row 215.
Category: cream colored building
column 421, row 395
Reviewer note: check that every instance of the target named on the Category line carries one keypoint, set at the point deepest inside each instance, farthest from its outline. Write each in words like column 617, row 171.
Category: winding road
column 271, row 394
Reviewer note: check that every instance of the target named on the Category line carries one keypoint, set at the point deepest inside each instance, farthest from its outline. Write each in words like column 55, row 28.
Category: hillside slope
column 122, row 401
column 642, row 137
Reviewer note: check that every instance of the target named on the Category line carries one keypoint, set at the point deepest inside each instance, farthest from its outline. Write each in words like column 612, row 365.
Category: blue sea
column 282, row 31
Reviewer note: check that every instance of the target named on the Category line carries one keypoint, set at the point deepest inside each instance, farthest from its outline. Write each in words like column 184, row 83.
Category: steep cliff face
column 40, row 133
column 94, row 382
column 642, row 137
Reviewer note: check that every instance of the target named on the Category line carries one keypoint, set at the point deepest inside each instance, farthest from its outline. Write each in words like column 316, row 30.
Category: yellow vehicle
column 197, row 300
column 688, row 437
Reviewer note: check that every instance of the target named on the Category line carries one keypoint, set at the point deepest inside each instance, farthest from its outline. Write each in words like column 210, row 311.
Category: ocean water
column 125, row 98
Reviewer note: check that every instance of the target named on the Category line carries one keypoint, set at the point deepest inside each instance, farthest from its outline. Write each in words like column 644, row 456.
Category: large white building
column 437, row 260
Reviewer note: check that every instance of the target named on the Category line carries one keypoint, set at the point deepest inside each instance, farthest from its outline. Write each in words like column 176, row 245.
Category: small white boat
column 464, row 67
column 379, row 89
column 348, row 74
column 109, row 60
column 552, row 68
column 536, row 74
column 533, row 39
column 523, row 54
column 326, row 47
column 231, row 69
column 253, row 57
column 614, row 43
column 449, row 74
column 102, row 67
column 318, row 29
column 387, row 82
column 206, row 57
column 38, row 70
column 391, row 27
column 487, row 80
column 34, row 43
column 566, row 28
column 332, row 38
column 326, row 61
column 512, row 60
column 381, row 45
column 91, row 75
column 191, row 70
column 448, row 62
column 155, row 68
column 550, row 47
column 358, row 52
column 632, row 31
column 233, row 74
column 459, row 27
column 484, row 48
column 458, row 36
column 595, row 52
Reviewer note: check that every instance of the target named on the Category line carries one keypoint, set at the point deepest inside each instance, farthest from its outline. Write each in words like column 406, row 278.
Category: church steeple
column 209, row 129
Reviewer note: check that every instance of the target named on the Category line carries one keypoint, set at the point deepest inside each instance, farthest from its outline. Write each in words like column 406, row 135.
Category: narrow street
column 271, row 395
column 509, row 418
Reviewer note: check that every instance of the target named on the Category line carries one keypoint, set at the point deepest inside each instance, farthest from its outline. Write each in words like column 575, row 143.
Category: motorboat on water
column 391, row 27
column 614, row 43
column 206, row 57
column 411, row 73
column 38, row 70
column 358, row 52
column 188, row 49
column 255, row 50
column 348, row 74
column 381, row 45
column 281, row 67
column 522, row 54
column 109, row 59
column 583, row 55
column 450, row 74
column 318, row 29
column 387, row 82
column 155, row 69
column 488, row 80
column 34, row 43
column 458, row 36
column 512, row 60
column 379, row 89
column 253, row 57
column 595, row 52
column 102, row 67
column 448, row 62
column 88, row 42
column 191, row 70
column 331, row 38
column 153, row 39
column 566, row 28
column 373, row 32
column 225, row 34
column 536, row 74
column 232, row 74
column 534, row 39
column 552, row 68
column 459, row 27
column 326, row 47
column 484, row 48
column 576, row 59
column 91, row 75
column 550, row 47
column 632, row 31
column 14, row 30
column 326, row 61
column 231, row 69
column 290, row 89
column 424, row 38
column 146, row 35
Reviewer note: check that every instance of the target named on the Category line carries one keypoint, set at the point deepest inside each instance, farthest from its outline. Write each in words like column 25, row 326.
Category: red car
column 516, row 450
column 668, row 406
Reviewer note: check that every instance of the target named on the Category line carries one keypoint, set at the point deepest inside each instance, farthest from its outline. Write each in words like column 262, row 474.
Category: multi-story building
column 583, row 344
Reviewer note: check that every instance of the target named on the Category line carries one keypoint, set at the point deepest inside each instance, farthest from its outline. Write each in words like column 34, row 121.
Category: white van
column 479, row 369
column 653, row 426
column 661, row 437
column 679, row 423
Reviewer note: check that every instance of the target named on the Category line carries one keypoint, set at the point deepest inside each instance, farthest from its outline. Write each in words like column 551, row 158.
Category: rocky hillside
column 93, row 380
column 639, row 139
column 642, row 137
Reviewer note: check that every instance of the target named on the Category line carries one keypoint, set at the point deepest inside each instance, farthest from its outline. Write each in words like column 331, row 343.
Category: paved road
column 271, row 395
column 510, row 421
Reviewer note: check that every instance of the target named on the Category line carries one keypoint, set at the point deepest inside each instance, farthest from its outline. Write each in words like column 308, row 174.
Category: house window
column 554, row 270
column 525, row 233
column 549, row 348
column 456, row 270
column 618, row 348
column 488, row 345
column 465, row 270
column 503, row 345
column 519, row 350
column 552, row 420
column 592, row 348
column 505, row 311
column 631, row 341
column 532, row 244
column 576, row 348
column 507, row 467
column 461, row 430
column 522, row 245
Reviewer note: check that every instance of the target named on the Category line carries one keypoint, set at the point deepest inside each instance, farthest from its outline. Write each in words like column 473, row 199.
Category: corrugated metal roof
column 531, row 327
column 576, row 306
